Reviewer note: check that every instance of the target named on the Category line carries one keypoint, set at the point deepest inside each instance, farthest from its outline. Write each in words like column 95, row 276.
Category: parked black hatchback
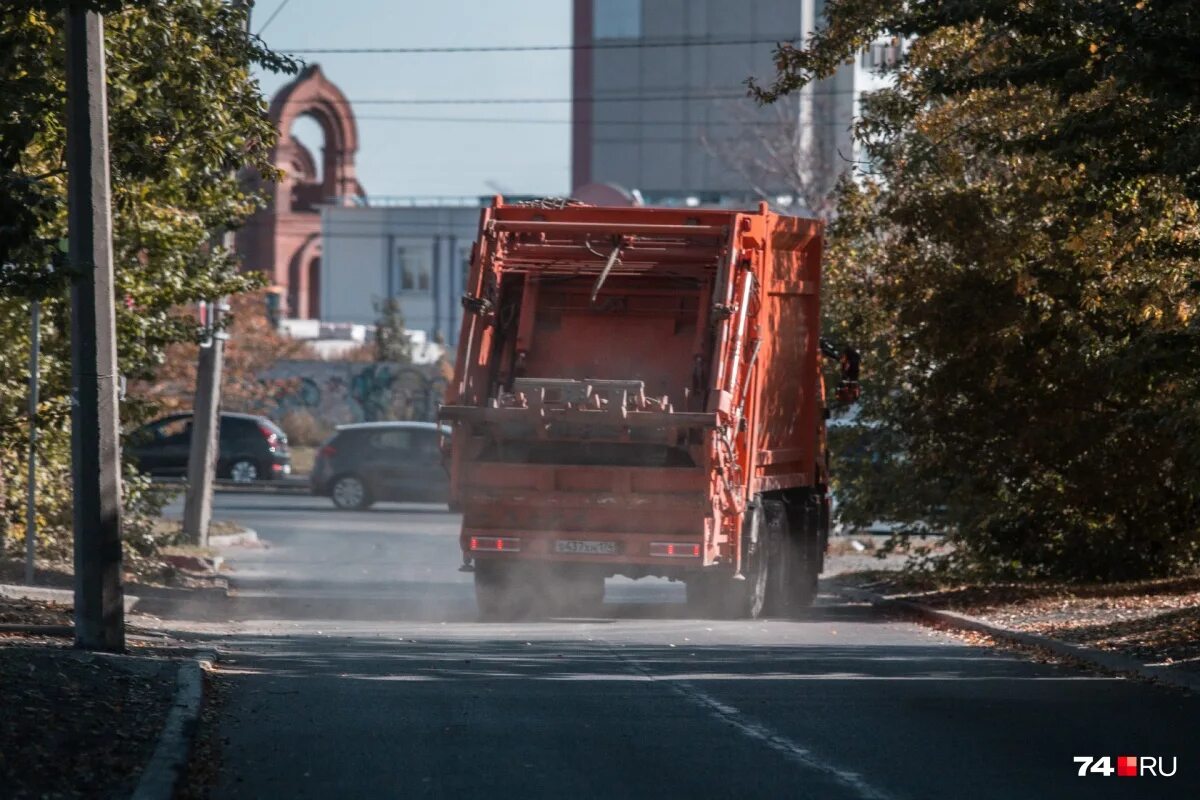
column 374, row 461
column 251, row 448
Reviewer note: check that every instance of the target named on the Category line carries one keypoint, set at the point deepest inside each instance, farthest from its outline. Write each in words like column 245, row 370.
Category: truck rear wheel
column 760, row 561
column 803, row 554
column 724, row 597
column 776, row 544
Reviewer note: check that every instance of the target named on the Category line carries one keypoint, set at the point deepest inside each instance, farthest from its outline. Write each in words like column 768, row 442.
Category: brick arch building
column 284, row 239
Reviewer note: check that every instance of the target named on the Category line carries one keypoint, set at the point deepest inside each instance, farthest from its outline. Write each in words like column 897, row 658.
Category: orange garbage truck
column 638, row 392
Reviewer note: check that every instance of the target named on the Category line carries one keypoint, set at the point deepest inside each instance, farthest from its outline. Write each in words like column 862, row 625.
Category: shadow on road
column 435, row 658
column 550, row 714
column 410, row 601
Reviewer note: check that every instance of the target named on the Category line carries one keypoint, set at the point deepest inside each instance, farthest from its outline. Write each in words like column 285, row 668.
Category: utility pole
column 35, row 320
column 202, row 457
column 95, row 457
column 206, row 409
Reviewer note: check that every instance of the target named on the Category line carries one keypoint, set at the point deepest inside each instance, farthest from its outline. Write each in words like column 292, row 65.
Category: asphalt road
column 353, row 666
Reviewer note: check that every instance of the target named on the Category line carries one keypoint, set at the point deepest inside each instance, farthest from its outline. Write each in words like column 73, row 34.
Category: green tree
column 253, row 348
column 185, row 116
column 1021, row 267
column 1122, row 72
column 392, row 344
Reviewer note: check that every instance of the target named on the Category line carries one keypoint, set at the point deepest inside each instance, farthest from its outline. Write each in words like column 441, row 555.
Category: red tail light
column 271, row 436
column 675, row 549
column 328, row 451
column 496, row 543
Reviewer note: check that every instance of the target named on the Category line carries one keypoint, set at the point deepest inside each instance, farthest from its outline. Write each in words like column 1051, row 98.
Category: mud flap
column 803, row 554
column 777, row 555
column 722, row 596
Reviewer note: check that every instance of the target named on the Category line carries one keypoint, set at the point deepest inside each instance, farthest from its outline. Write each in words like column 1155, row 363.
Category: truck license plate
column 587, row 548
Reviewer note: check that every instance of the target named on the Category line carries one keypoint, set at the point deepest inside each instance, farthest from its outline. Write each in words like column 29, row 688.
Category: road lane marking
column 788, row 748
column 832, row 676
column 779, row 743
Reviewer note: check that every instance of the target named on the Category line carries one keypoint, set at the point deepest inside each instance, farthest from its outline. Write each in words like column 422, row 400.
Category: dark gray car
column 251, row 448
column 373, row 461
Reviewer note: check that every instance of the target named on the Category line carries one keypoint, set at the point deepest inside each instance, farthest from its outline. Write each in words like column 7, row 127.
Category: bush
column 1029, row 322
column 304, row 429
column 142, row 504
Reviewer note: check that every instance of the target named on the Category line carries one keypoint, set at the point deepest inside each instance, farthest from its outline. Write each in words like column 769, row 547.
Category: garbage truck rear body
column 637, row 392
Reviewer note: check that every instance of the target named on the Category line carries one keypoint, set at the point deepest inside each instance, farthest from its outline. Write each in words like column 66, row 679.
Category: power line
column 467, row 101
column 518, row 120
column 700, row 124
column 637, row 44
column 271, row 18
column 741, row 95
column 623, row 122
column 697, row 140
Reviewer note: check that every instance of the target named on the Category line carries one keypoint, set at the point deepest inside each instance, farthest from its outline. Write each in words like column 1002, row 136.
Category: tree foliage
column 184, row 116
column 392, row 345
column 252, row 349
column 1021, row 268
column 1122, row 72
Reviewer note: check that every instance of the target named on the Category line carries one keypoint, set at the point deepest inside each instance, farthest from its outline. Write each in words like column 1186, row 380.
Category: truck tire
column 750, row 599
column 723, row 597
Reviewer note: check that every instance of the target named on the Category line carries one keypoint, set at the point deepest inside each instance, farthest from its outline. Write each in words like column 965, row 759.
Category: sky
column 438, row 158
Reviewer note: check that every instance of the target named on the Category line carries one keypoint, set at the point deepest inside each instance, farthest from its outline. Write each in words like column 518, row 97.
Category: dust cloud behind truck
column 638, row 392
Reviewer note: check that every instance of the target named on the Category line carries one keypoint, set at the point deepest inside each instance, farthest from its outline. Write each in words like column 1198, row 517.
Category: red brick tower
column 284, row 239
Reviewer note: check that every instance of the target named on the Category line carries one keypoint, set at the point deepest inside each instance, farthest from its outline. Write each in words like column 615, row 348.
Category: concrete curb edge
column 173, row 750
column 47, row 594
column 1112, row 662
column 265, row 487
column 290, row 485
column 37, row 630
column 247, row 536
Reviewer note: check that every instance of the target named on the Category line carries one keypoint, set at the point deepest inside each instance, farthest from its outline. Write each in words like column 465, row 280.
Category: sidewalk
column 1156, row 623
column 78, row 724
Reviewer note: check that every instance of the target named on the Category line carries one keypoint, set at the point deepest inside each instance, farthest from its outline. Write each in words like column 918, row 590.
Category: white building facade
column 414, row 250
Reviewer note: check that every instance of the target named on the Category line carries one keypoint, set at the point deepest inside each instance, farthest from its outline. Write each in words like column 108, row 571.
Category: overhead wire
column 271, row 18
column 625, row 123
column 718, row 93
column 615, row 98
column 635, row 44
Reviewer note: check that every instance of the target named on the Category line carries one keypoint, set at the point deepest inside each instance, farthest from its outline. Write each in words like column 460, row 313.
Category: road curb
column 174, row 747
column 37, row 630
column 64, row 597
column 290, row 485
column 265, row 487
column 1109, row 661
column 247, row 536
